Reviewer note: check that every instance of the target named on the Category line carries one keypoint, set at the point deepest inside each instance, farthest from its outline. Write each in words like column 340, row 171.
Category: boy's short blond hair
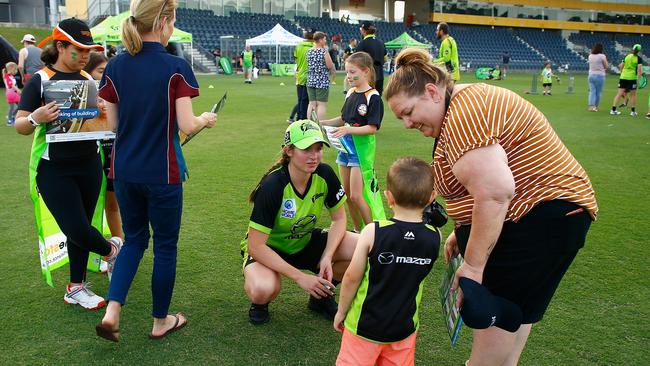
column 10, row 65
column 410, row 181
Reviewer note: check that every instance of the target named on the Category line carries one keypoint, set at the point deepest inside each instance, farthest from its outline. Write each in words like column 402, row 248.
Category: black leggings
column 70, row 190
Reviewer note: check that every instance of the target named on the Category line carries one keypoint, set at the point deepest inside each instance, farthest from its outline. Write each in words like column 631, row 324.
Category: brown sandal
column 107, row 333
column 171, row 330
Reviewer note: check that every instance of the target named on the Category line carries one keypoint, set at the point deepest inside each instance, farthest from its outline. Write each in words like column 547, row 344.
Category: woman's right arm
column 188, row 123
column 43, row 114
column 258, row 249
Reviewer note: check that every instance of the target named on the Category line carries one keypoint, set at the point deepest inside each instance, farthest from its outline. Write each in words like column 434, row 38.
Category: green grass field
column 599, row 316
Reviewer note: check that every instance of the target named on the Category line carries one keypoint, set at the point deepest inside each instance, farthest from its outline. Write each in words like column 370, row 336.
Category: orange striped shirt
column 542, row 167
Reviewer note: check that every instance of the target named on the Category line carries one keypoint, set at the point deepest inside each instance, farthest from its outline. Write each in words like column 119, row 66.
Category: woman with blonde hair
column 147, row 93
column 521, row 202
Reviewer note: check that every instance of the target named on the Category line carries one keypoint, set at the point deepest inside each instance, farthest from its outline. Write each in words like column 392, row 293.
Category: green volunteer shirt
column 547, row 75
column 300, row 54
column 289, row 217
column 449, row 56
column 630, row 65
column 247, row 57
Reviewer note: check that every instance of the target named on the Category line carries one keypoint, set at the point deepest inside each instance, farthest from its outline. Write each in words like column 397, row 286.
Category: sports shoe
column 325, row 305
column 258, row 314
column 103, row 266
column 83, row 296
column 614, row 113
column 623, row 105
column 634, row 114
column 290, row 120
column 116, row 243
column 647, row 115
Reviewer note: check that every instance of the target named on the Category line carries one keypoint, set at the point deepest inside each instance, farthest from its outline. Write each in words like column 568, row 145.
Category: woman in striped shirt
column 521, row 202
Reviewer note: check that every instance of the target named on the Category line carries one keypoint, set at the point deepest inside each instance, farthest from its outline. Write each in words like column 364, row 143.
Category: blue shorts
column 351, row 159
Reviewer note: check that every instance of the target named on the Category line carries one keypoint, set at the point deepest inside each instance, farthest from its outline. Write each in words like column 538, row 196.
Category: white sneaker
column 103, row 266
column 633, row 114
column 83, row 296
column 614, row 113
column 116, row 243
column 647, row 115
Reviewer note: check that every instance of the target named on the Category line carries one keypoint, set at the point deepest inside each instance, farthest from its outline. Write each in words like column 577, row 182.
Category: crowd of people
column 521, row 203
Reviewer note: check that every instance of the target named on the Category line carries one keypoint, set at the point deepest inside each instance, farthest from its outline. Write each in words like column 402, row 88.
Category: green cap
column 636, row 47
column 302, row 134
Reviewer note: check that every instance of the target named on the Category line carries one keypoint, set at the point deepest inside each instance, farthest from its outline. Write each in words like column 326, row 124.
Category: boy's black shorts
column 532, row 255
column 308, row 258
column 628, row 85
column 547, row 84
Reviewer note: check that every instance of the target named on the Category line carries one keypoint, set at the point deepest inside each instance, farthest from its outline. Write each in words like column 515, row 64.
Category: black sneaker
column 325, row 305
column 623, row 105
column 258, row 314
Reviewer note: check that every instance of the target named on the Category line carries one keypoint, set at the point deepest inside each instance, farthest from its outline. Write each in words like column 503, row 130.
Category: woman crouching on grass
column 282, row 237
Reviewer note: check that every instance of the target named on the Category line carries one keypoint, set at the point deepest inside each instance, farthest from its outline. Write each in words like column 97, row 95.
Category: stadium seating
column 484, row 46
column 478, row 45
column 588, row 40
column 553, row 47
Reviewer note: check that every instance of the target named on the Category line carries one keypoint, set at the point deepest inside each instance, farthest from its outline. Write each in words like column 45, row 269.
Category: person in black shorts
column 282, row 237
column 505, row 60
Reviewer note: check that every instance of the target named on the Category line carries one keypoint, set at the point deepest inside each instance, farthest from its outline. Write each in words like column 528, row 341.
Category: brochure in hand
column 339, row 144
column 451, row 312
column 215, row 109
column 82, row 115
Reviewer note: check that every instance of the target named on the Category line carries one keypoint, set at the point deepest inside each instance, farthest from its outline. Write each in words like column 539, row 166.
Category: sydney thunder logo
column 303, row 226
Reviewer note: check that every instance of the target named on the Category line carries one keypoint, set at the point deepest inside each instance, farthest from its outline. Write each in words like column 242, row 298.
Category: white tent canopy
column 277, row 37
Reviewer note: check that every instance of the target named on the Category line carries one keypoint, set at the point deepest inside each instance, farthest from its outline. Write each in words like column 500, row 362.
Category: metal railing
column 15, row 13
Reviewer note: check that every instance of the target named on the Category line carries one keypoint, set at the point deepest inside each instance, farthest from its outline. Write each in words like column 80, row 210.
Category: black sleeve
column 335, row 191
column 640, row 60
column 375, row 111
column 267, row 203
column 31, row 98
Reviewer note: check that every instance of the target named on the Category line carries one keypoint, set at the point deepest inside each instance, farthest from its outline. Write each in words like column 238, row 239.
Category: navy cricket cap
column 482, row 310
column 368, row 25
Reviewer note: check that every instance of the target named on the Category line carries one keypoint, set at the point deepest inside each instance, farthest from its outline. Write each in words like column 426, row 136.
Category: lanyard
column 447, row 101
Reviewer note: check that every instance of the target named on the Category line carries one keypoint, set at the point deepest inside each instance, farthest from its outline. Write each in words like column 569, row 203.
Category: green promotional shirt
column 547, row 75
column 300, row 54
column 247, row 57
column 449, row 56
column 289, row 217
column 630, row 65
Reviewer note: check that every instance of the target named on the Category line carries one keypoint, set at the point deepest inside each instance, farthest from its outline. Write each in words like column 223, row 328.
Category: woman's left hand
column 326, row 270
column 341, row 131
column 468, row 271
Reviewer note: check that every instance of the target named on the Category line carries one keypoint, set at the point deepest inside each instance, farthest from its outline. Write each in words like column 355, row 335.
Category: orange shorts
column 356, row 351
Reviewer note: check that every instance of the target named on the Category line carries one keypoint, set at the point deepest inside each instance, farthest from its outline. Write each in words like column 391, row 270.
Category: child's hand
column 338, row 322
column 341, row 131
column 46, row 113
column 209, row 119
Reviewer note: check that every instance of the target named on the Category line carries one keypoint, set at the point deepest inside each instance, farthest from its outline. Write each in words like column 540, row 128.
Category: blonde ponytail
column 413, row 70
column 146, row 15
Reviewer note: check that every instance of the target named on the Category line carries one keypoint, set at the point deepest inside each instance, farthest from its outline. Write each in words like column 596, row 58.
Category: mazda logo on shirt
column 386, row 258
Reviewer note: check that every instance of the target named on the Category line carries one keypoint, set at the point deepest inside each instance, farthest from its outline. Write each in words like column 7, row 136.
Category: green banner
column 366, row 146
column 283, row 69
column 52, row 242
column 226, row 66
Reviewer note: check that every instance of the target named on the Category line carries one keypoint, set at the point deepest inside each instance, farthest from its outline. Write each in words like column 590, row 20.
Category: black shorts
column 532, row 255
column 628, row 85
column 547, row 84
column 308, row 258
column 107, row 146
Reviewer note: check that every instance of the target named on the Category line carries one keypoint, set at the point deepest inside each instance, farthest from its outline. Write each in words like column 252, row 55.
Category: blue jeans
column 596, row 84
column 161, row 206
